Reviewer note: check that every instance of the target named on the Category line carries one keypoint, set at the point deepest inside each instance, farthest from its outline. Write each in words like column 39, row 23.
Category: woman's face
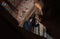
column 24, row 10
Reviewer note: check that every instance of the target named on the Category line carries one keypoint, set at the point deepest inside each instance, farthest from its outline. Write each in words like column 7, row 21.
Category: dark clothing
column 8, row 26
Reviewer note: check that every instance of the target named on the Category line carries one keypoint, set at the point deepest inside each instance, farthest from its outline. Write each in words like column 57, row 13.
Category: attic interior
column 40, row 19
